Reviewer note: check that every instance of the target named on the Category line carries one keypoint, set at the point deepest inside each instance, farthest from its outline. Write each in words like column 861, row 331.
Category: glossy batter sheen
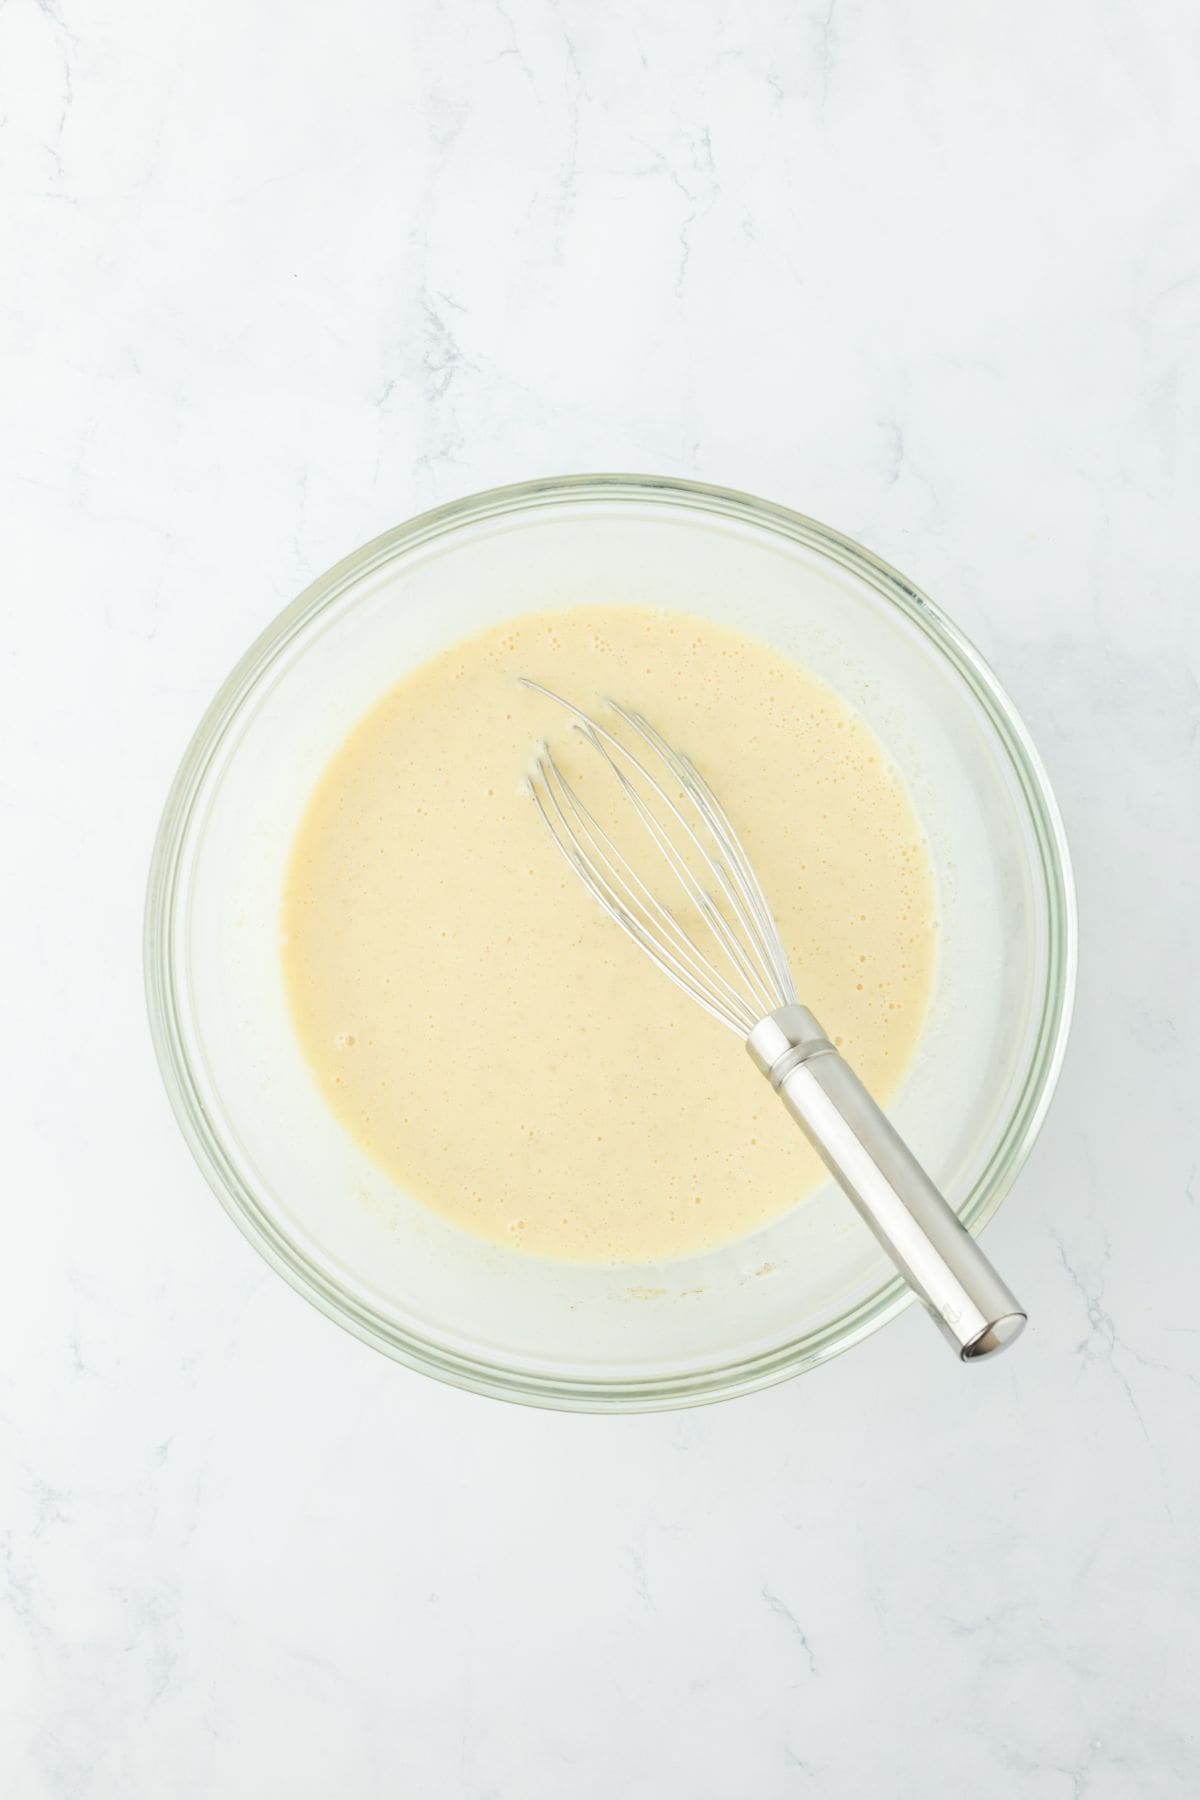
column 490, row 1039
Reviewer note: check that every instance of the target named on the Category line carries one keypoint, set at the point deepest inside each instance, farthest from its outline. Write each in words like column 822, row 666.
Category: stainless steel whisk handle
column 937, row 1256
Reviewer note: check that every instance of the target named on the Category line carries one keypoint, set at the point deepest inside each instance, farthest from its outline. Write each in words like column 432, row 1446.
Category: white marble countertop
column 277, row 276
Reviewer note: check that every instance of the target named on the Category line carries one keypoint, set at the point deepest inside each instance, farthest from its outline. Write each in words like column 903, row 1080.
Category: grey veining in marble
column 276, row 276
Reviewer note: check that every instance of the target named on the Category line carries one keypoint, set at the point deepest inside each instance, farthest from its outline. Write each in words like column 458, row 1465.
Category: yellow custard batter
column 492, row 1041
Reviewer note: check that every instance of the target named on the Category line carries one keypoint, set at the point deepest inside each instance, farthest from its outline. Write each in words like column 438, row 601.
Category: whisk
column 732, row 963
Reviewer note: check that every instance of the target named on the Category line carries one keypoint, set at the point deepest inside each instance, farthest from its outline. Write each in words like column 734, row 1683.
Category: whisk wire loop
column 620, row 890
column 743, row 976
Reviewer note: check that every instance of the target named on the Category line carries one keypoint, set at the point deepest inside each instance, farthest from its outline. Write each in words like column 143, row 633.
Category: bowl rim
column 165, row 888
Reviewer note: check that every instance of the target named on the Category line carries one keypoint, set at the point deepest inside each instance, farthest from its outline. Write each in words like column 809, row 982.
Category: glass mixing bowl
column 614, row 1338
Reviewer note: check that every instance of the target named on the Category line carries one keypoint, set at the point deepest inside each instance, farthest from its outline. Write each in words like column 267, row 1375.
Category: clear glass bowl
column 618, row 1338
